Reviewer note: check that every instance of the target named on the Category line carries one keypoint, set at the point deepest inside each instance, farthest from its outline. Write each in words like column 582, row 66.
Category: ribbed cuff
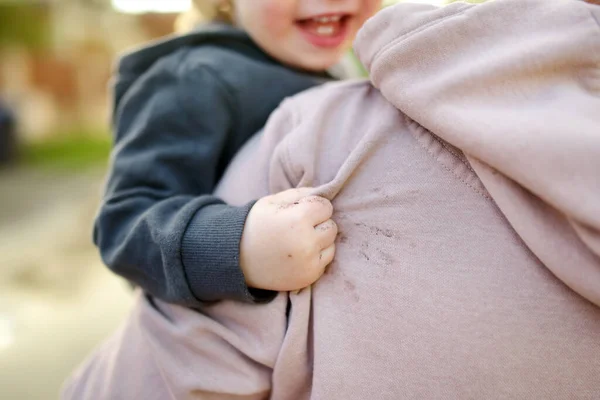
column 211, row 255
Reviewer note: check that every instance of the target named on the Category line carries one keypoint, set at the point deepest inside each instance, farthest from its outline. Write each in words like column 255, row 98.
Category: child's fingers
column 326, row 257
column 316, row 209
column 326, row 233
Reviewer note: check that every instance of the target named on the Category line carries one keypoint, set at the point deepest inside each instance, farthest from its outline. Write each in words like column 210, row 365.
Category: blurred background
column 57, row 301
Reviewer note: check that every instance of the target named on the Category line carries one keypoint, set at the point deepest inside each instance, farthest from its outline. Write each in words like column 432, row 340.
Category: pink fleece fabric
column 466, row 184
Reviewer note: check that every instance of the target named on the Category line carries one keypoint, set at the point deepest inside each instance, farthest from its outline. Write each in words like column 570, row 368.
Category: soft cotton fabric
column 465, row 181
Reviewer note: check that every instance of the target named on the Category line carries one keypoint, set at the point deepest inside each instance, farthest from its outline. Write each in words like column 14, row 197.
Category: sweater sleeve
column 158, row 226
column 513, row 84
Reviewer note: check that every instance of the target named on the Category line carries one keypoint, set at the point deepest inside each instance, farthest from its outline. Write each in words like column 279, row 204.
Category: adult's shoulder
column 334, row 89
column 325, row 100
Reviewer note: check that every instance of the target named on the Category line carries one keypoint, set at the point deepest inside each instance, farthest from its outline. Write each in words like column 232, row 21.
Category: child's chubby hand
column 288, row 240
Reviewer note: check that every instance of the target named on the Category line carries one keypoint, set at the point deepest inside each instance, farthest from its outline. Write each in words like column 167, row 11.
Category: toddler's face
column 307, row 34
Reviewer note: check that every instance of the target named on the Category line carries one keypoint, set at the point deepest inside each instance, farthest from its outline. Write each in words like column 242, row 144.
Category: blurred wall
column 56, row 59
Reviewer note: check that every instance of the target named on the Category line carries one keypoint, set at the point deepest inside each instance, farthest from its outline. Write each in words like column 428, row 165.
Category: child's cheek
column 277, row 16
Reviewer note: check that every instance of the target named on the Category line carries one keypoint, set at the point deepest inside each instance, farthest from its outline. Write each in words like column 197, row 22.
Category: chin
column 318, row 63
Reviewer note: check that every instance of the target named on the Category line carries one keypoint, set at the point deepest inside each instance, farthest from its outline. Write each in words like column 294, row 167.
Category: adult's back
column 432, row 293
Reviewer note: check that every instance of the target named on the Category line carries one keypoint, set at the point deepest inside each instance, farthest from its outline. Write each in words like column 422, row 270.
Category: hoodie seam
column 595, row 18
column 597, row 21
column 228, row 95
column 420, row 29
column 227, row 89
column 455, row 154
column 596, row 60
column 417, row 129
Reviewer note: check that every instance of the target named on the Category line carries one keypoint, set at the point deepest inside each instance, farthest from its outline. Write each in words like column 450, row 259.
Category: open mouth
column 325, row 30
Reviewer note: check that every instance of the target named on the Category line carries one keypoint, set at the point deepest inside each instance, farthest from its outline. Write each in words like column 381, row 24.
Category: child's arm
column 157, row 225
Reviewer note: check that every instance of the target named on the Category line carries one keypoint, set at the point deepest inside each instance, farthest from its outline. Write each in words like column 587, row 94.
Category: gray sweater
column 182, row 109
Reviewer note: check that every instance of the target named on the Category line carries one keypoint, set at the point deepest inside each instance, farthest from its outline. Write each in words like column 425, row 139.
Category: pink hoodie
column 450, row 272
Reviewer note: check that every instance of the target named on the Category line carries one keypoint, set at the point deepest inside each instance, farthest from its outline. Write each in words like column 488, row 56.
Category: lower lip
column 327, row 42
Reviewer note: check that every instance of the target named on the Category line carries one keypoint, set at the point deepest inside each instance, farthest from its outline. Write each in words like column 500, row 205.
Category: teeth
column 325, row 30
column 325, row 20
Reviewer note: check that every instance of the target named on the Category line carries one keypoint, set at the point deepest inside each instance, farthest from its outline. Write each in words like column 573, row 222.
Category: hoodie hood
column 222, row 38
column 135, row 63
column 514, row 84
column 140, row 60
